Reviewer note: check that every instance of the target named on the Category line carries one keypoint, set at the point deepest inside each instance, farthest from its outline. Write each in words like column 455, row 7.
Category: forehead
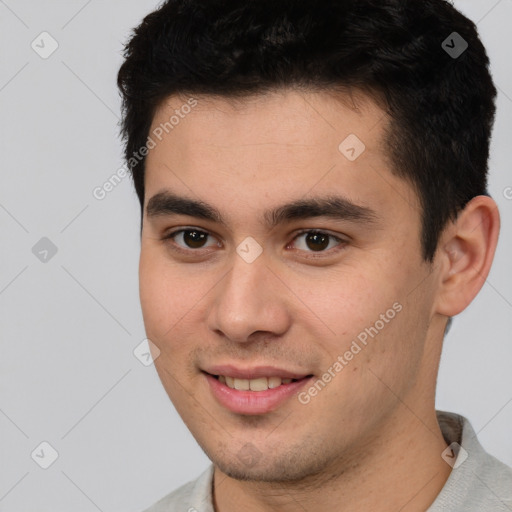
column 284, row 116
column 262, row 147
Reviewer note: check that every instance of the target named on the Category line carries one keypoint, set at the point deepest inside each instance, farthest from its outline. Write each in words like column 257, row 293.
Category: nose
column 249, row 299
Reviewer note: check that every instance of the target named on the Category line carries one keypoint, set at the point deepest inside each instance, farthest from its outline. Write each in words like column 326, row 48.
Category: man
column 312, row 179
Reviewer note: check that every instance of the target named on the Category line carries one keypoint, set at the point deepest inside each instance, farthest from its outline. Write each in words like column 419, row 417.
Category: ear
column 465, row 255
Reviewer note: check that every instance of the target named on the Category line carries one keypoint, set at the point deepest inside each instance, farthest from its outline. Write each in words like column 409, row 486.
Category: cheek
column 161, row 294
column 165, row 307
column 350, row 300
column 173, row 299
column 367, row 314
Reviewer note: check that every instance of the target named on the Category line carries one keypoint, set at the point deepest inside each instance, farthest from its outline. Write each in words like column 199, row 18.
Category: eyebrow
column 332, row 206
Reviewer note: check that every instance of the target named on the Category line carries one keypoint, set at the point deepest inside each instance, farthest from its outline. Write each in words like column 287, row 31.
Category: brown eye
column 316, row 241
column 194, row 239
column 188, row 238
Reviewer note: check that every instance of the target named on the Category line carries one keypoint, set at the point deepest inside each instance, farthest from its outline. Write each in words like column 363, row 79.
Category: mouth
column 254, row 394
column 259, row 384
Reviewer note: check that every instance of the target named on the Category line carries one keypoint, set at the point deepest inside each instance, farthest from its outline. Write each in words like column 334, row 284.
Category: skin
column 370, row 439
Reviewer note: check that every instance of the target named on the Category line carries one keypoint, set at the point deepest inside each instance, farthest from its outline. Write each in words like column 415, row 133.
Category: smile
column 253, row 396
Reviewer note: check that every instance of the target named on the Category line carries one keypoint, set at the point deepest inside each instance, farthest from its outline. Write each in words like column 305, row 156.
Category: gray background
column 69, row 325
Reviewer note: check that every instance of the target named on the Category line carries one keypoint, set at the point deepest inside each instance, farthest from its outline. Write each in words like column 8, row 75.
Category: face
column 275, row 246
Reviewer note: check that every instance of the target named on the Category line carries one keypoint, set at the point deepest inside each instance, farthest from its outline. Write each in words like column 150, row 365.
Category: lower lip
column 253, row 402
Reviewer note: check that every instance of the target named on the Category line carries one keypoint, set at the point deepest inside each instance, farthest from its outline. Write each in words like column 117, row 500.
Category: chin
column 283, row 468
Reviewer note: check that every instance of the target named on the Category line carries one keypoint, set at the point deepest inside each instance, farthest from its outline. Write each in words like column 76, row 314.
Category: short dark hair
column 441, row 105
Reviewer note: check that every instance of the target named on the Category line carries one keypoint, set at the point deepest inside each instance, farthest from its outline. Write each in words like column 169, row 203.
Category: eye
column 318, row 241
column 191, row 238
column 188, row 240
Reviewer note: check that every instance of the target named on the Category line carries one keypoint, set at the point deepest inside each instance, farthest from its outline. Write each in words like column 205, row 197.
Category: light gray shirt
column 478, row 481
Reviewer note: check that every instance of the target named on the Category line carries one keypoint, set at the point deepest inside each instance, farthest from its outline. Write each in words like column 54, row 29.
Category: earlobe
column 466, row 254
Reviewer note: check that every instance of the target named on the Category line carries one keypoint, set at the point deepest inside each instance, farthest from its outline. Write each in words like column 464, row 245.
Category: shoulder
column 194, row 496
column 478, row 481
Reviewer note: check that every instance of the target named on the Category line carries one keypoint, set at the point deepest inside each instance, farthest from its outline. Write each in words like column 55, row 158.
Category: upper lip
column 254, row 373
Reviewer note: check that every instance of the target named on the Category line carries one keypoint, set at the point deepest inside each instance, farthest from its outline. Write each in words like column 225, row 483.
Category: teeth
column 242, row 384
column 273, row 382
column 260, row 384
